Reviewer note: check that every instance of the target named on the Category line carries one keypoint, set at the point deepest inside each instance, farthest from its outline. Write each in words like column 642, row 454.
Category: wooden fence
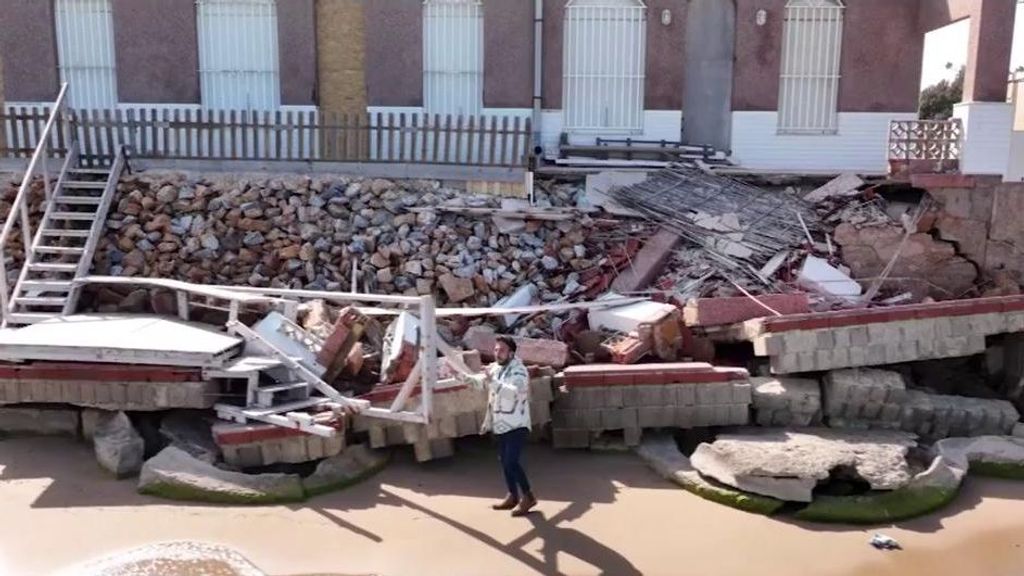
column 245, row 135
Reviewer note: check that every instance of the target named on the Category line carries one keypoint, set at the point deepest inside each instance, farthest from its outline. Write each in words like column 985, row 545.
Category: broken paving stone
column 841, row 186
column 818, row 275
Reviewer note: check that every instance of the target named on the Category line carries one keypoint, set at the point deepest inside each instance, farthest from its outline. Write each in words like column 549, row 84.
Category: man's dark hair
column 508, row 341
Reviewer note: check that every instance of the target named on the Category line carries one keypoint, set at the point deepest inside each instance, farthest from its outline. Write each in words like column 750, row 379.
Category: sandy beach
column 601, row 513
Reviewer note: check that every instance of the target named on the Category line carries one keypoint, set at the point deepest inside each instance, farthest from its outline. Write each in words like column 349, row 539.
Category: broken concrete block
column 647, row 264
column 819, row 276
column 45, row 421
column 457, row 289
column 841, row 186
column 119, row 448
column 523, row 296
column 344, row 469
column 174, row 474
column 629, row 317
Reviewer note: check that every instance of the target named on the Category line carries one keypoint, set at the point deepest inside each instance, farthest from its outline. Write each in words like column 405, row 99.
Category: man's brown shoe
column 525, row 505
column 507, row 504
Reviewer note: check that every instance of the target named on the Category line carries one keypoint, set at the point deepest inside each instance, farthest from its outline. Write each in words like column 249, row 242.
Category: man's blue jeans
column 510, row 447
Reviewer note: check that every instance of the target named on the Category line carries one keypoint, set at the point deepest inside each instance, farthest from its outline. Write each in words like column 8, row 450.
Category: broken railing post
column 428, row 353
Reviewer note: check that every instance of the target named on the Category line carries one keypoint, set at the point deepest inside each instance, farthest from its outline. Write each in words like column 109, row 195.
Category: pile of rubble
column 335, row 233
column 14, row 250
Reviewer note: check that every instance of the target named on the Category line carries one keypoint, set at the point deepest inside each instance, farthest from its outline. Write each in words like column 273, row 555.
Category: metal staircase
column 62, row 246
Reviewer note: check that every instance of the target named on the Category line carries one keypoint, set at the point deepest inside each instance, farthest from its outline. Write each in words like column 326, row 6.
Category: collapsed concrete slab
column 788, row 464
column 611, row 397
column 119, row 448
column 191, row 432
column 873, row 337
column 870, row 398
column 175, row 474
column 990, row 452
column 255, row 444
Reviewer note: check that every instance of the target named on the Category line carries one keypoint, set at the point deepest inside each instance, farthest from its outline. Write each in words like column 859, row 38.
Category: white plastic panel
column 453, row 57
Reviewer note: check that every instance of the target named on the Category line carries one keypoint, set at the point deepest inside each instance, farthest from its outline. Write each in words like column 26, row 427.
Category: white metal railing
column 809, row 83
column 604, row 61
column 19, row 211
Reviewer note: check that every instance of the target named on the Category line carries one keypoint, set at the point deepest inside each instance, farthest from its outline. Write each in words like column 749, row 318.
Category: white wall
column 658, row 125
column 1015, row 172
column 860, row 145
column 987, row 130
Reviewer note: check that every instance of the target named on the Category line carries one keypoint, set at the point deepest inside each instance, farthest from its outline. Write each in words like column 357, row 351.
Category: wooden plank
column 435, row 156
column 151, row 145
column 458, row 139
column 391, row 136
column 414, row 134
column 315, row 135
column 494, row 139
column 59, row 127
column 111, row 133
column 379, row 136
column 424, row 136
column 222, row 135
column 527, row 141
column 300, row 130
column 243, row 125
column 165, row 123
column 232, row 126
column 513, row 159
column 268, row 134
column 481, row 158
column 189, row 128
column 470, row 138
column 25, row 137
column 447, row 138
column 277, row 135
column 87, row 133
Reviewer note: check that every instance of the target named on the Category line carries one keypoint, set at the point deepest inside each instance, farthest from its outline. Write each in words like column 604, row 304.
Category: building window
column 453, row 57
column 85, row 52
column 809, row 86
column 604, row 58
column 238, row 63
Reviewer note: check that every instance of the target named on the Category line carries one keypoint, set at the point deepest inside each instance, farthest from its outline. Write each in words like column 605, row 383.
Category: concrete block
column 650, row 395
column 721, row 392
column 630, row 417
column 449, row 428
column 465, row 424
column 684, row 416
column 378, row 438
column 652, row 416
column 568, row 419
column 877, row 354
column 540, row 413
column 824, row 359
column 739, row 414
column 841, row 338
column 570, row 438
column 612, row 397
column 871, row 410
column 592, row 419
column 825, row 338
column 859, row 337
column 723, row 415
column 44, row 421
column 741, row 393
column 890, row 412
column 807, row 361
column 705, row 393
column 785, row 364
column 800, row 341
column 632, row 437
column 630, row 396
column 1014, row 322
column 395, row 435
column 315, row 447
column 293, row 450
column 271, row 451
column 611, row 419
column 704, row 416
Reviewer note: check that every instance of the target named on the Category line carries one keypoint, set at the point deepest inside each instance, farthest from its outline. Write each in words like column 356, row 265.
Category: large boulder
column 788, row 464
column 175, row 474
column 119, row 448
column 352, row 465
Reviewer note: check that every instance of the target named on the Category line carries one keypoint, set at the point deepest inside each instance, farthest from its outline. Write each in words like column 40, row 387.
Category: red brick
column 96, row 372
column 720, row 311
column 648, row 262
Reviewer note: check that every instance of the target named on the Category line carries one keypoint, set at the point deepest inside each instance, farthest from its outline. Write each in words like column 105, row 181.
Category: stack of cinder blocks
column 608, row 397
column 249, row 445
column 107, row 387
column 847, row 339
column 786, row 401
column 868, row 398
column 456, row 413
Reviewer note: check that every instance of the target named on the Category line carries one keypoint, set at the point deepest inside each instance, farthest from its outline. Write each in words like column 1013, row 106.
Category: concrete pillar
column 988, row 131
column 341, row 63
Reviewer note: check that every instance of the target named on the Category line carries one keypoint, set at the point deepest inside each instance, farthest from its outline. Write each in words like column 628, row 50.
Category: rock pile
column 302, row 232
column 14, row 249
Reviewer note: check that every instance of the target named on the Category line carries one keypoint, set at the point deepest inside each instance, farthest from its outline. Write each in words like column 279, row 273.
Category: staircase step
column 30, row 317
column 265, row 395
column 52, row 267
column 78, row 200
column 80, row 184
column 45, row 286
column 68, row 233
column 72, row 215
column 41, row 301
column 58, row 250
column 287, row 387
column 89, row 171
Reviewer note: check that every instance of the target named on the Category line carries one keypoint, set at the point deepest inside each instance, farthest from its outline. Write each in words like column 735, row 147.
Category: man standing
column 508, row 417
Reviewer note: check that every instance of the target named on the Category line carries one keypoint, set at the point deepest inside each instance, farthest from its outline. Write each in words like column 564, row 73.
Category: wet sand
column 600, row 513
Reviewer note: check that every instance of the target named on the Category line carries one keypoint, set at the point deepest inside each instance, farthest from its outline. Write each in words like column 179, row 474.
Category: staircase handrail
column 20, row 208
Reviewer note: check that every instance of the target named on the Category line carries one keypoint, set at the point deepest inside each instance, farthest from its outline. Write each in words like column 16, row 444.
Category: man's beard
column 505, row 361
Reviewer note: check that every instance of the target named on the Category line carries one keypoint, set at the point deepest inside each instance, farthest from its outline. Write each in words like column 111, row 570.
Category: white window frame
column 811, row 54
column 85, row 52
column 453, row 57
column 239, row 68
column 604, row 61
